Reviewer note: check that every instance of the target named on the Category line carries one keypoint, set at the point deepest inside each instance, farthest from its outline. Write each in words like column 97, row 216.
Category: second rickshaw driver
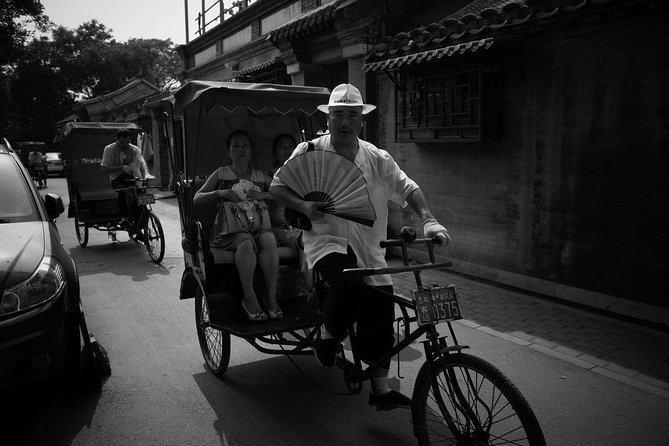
column 334, row 244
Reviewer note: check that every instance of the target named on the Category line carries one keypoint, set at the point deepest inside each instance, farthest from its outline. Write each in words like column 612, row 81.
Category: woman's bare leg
column 268, row 258
column 245, row 260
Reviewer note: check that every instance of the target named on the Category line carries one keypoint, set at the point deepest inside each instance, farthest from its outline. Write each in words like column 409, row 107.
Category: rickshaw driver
column 37, row 158
column 334, row 244
column 124, row 161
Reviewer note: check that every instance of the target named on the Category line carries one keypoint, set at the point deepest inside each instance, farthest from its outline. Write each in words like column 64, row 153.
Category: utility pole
column 186, row 16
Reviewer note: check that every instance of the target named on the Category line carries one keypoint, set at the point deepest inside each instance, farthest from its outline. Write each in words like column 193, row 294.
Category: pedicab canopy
column 209, row 111
column 84, row 142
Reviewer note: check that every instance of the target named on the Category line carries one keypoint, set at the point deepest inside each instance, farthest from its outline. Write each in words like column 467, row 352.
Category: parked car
column 39, row 285
column 54, row 163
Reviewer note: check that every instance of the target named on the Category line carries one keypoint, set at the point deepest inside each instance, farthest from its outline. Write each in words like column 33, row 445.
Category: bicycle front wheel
column 154, row 237
column 475, row 404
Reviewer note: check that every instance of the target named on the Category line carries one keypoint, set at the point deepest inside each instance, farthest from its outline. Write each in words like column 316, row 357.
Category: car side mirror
column 54, row 205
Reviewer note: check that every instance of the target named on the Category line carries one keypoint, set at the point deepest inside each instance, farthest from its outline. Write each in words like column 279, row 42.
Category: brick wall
column 576, row 193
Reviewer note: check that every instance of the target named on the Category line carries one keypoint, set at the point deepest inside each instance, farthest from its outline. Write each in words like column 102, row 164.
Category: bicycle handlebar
column 135, row 179
column 402, row 242
column 407, row 238
column 141, row 183
column 357, row 272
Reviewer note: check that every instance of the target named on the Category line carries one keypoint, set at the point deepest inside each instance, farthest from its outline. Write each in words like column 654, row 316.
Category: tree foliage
column 95, row 64
column 15, row 18
column 39, row 93
column 158, row 61
column 53, row 73
column 82, row 56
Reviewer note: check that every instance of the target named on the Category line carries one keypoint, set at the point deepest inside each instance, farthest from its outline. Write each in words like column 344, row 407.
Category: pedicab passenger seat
column 287, row 256
column 205, row 214
column 91, row 184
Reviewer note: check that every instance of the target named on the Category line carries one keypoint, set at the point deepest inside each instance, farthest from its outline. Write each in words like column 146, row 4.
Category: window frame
column 470, row 87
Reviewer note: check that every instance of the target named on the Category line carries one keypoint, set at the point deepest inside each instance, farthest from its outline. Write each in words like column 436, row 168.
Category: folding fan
column 321, row 175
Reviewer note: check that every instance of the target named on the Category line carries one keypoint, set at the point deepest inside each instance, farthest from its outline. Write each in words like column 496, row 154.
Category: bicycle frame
column 139, row 186
column 145, row 221
column 435, row 345
column 38, row 173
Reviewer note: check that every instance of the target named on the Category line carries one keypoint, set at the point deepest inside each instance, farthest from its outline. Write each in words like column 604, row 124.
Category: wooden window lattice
column 439, row 106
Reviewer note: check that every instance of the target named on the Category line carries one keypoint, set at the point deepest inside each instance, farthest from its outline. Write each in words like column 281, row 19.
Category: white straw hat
column 346, row 95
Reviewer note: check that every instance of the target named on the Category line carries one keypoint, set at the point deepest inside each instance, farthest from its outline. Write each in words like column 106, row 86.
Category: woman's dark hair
column 276, row 140
column 278, row 137
column 238, row 132
column 122, row 133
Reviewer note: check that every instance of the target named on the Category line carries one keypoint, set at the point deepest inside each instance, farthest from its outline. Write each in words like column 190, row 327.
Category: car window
column 16, row 201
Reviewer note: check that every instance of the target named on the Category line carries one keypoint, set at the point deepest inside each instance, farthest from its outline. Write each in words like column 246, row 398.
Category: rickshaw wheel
column 215, row 344
column 154, row 238
column 82, row 231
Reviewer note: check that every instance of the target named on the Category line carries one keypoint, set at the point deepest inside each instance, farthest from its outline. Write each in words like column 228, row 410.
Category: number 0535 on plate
column 436, row 304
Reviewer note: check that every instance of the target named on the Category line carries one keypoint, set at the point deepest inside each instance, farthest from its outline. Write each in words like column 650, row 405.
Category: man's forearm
column 286, row 197
column 431, row 227
column 144, row 168
column 418, row 203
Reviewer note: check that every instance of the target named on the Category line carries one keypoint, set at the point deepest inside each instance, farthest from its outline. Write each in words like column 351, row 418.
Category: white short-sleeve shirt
column 385, row 181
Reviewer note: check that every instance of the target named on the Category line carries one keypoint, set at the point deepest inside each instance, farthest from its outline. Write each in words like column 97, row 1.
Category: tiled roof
column 460, row 48
column 480, row 20
column 307, row 22
column 133, row 91
column 476, row 6
column 257, row 68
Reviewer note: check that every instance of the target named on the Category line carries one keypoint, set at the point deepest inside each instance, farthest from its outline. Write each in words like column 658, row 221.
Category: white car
column 54, row 163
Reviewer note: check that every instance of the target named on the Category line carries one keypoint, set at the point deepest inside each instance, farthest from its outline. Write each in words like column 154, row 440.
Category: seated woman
column 250, row 248
column 286, row 235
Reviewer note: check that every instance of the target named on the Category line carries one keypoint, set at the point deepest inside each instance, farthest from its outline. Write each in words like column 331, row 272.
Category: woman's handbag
column 244, row 216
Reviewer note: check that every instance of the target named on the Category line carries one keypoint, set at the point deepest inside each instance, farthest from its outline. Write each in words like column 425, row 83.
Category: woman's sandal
column 254, row 317
column 275, row 314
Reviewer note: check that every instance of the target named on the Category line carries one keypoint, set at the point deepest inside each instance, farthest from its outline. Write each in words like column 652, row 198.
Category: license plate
column 145, row 199
column 435, row 305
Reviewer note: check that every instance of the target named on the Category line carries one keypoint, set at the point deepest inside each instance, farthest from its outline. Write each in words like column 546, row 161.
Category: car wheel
column 69, row 372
